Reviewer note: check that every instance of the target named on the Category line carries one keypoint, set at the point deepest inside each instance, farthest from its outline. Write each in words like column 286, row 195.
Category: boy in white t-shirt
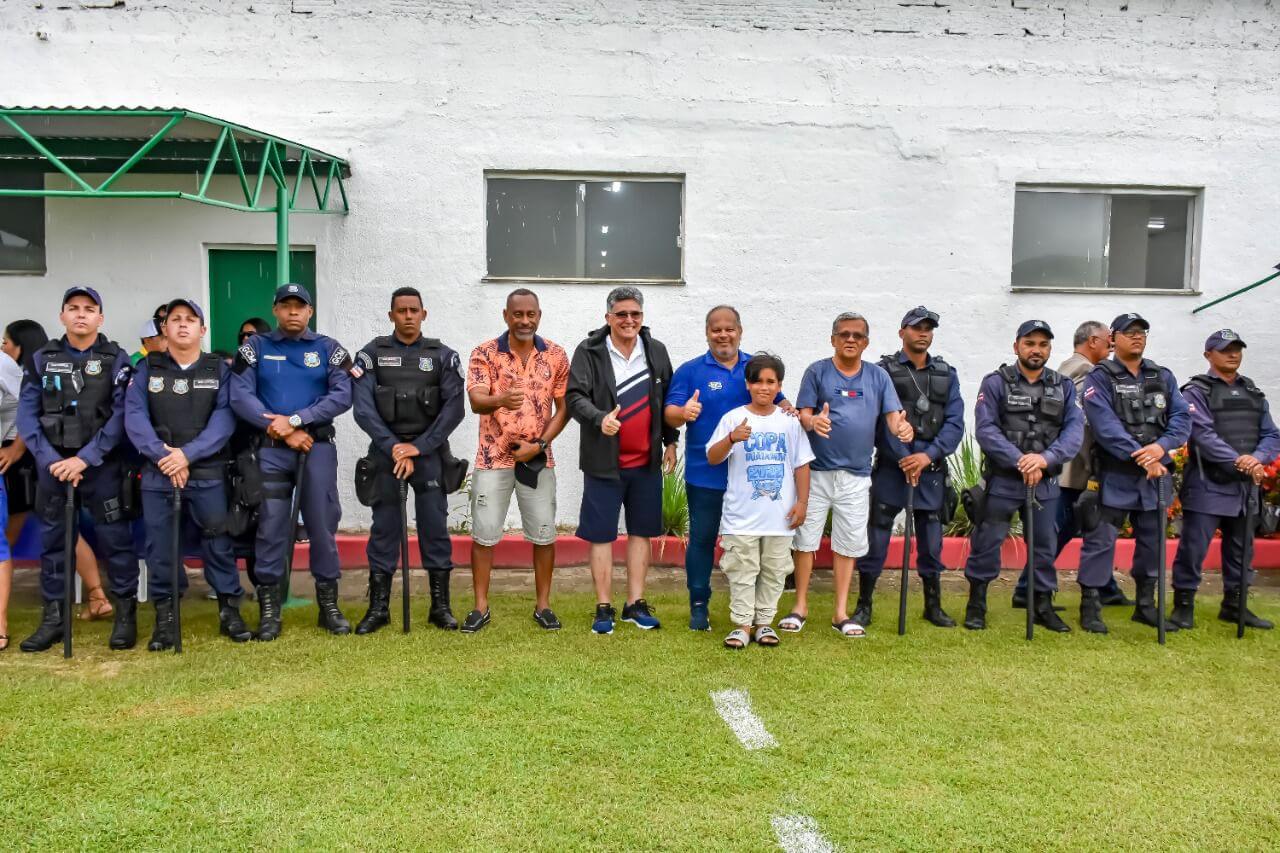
column 765, row 501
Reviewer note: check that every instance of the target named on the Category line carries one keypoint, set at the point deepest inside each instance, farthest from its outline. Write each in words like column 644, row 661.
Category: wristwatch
column 295, row 421
column 541, row 442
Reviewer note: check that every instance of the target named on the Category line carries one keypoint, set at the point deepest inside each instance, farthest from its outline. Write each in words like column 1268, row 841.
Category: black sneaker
column 637, row 613
column 546, row 619
column 474, row 622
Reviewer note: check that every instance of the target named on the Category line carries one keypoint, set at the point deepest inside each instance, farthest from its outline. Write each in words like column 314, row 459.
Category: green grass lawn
column 517, row 739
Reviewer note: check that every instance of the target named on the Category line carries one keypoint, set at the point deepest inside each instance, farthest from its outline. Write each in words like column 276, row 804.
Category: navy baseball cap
column 189, row 303
column 82, row 290
column 292, row 291
column 1035, row 326
column 1124, row 321
column 1222, row 339
column 919, row 314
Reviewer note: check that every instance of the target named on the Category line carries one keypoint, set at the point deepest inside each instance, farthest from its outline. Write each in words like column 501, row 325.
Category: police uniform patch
column 389, row 361
column 181, row 386
column 1159, row 401
column 356, row 371
column 58, row 367
column 93, row 367
column 425, row 365
column 311, row 359
column 456, row 363
column 122, row 378
column 366, row 361
column 339, row 356
column 205, row 385
column 155, row 384
column 247, row 353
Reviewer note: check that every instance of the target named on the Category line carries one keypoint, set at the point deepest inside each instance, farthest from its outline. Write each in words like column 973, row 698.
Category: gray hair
column 622, row 294
column 845, row 317
column 1086, row 330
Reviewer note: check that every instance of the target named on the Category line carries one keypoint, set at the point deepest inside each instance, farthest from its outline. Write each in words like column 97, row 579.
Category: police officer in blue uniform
column 178, row 416
column 408, row 398
column 930, row 393
column 1233, row 438
column 291, row 384
column 71, row 416
column 1137, row 416
column 1028, row 424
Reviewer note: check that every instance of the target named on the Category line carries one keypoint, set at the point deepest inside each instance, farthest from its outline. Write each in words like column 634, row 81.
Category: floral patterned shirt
column 493, row 369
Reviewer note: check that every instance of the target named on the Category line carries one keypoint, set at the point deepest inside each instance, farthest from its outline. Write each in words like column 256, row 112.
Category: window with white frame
column 21, row 225
column 1104, row 238
column 594, row 227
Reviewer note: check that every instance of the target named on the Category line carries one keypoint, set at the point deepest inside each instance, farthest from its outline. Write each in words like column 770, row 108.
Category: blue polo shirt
column 857, row 402
column 720, row 390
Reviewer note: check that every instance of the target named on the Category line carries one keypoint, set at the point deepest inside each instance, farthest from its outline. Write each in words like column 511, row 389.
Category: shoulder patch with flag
column 1088, row 392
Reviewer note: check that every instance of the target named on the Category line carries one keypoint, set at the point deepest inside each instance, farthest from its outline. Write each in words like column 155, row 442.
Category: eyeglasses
column 628, row 315
column 850, row 336
column 1135, row 334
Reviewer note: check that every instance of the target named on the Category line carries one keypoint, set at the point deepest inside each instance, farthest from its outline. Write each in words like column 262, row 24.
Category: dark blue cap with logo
column 1035, row 326
column 1124, row 321
column 1222, row 339
column 292, row 291
column 82, row 290
column 919, row 314
column 189, row 303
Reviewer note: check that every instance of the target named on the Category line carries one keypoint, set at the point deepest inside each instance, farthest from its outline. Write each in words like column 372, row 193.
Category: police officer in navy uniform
column 1137, row 416
column 1029, row 424
column 71, row 416
column 408, row 398
column 930, row 393
column 178, row 415
column 1233, row 438
column 291, row 384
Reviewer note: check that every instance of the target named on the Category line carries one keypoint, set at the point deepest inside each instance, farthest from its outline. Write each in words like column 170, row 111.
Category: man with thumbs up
column 617, row 381
column 702, row 390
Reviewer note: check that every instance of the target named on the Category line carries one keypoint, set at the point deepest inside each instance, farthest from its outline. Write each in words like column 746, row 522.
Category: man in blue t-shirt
column 701, row 391
column 841, row 400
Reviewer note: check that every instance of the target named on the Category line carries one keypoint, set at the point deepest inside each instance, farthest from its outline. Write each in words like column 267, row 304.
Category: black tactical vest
column 1031, row 414
column 1237, row 418
column 923, row 395
column 407, row 384
column 1139, row 401
column 76, row 392
column 181, row 402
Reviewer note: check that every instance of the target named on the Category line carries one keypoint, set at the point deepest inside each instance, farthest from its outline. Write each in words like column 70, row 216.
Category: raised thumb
column 617, row 410
column 694, row 398
column 826, row 409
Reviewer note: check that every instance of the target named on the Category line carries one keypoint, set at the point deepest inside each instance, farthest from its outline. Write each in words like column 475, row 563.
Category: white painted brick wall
column 850, row 155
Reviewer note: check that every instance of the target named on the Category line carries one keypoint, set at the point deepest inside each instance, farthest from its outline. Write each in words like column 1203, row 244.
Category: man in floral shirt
column 516, row 383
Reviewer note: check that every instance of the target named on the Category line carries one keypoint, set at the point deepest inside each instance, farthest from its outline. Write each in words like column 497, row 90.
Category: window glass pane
column 22, row 226
column 1148, row 241
column 633, row 229
column 1058, row 239
column 533, row 228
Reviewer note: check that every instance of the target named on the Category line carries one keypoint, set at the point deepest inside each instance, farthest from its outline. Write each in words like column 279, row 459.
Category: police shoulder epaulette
column 1051, row 377
column 1203, row 381
column 155, row 360
column 1008, row 373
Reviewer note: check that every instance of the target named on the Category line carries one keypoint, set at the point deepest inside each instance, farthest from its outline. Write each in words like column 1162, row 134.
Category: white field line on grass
column 734, row 707
column 799, row 834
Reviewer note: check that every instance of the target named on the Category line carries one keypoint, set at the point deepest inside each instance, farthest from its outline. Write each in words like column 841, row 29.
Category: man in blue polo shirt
column 701, row 391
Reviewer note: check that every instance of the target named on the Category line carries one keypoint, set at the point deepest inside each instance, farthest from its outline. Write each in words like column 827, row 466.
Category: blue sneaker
column 605, row 614
column 637, row 613
column 699, row 619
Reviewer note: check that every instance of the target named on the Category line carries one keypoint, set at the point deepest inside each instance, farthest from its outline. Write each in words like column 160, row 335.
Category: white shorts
column 848, row 496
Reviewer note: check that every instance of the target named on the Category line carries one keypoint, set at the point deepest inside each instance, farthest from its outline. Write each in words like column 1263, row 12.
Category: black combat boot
column 1091, row 610
column 1112, row 595
column 49, row 630
column 124, row 631
column 440, row 615
column 1231, row 608
column 329, row 616
column 1020, row 599
column 975, row 613
column 866, row 591
column 1184, row 609
column 1046, row 617
column 379, row 613
column 164, row 634
column 230, row 622
column 269, row 625
column 933, row 611
column 1144, row 612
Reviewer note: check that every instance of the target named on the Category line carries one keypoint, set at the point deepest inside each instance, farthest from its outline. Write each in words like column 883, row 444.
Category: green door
column 241, row 285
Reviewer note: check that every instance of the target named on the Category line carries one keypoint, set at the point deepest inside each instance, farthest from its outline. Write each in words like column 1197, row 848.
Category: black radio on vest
column 407, row 386
column 180, row 403
column 1032, row 413
column 76, row 392
column 923, row 393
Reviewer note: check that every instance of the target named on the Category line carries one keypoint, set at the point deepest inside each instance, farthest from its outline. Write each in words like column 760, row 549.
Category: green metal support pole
column 1236, row 293
column 282, row 234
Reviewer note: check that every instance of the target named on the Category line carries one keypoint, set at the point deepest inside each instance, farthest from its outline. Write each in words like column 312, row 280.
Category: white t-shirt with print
column 762, row 483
